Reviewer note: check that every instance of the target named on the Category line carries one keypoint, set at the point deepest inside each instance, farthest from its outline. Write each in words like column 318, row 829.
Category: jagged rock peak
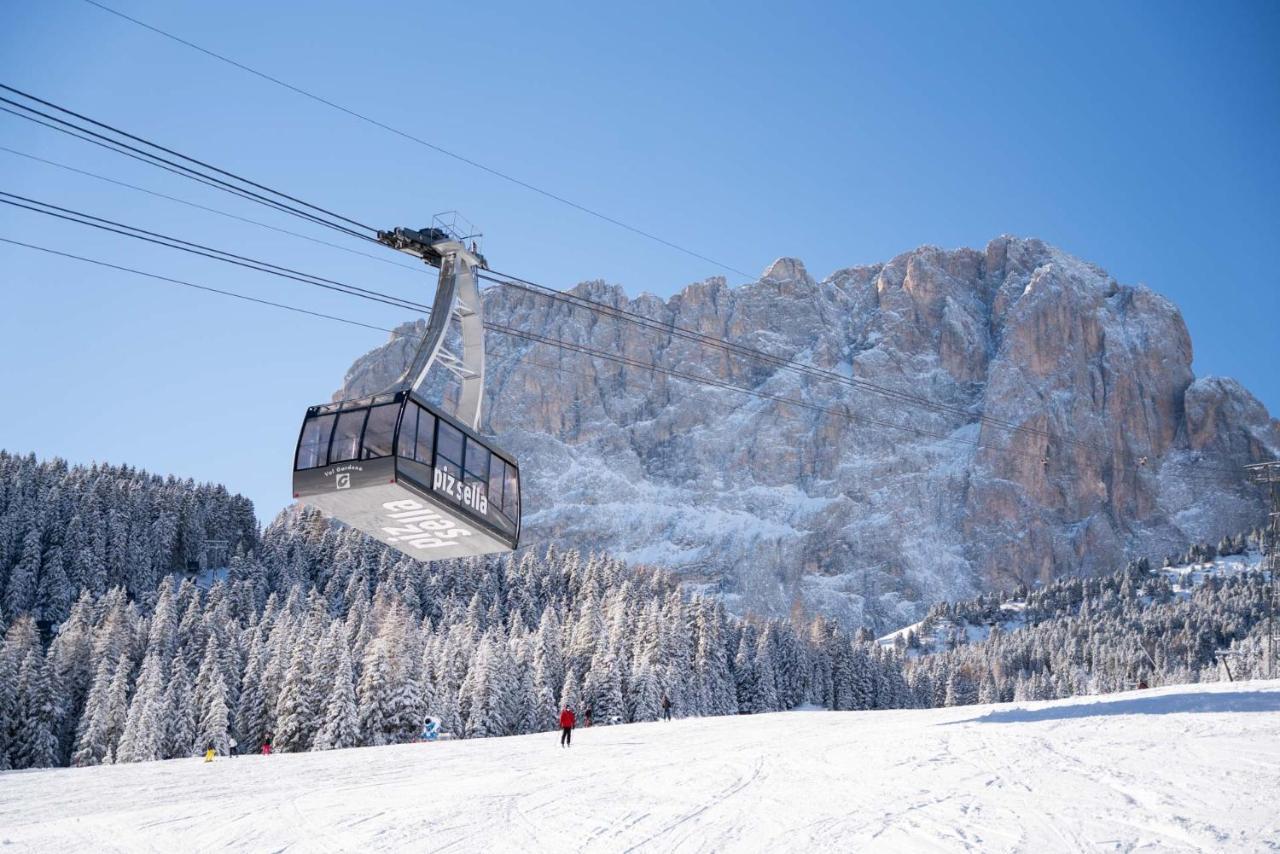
column 786, row 270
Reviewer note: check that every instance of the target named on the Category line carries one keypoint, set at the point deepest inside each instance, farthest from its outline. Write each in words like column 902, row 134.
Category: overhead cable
column 417, row 268
column 83, row 133
column 505, row 176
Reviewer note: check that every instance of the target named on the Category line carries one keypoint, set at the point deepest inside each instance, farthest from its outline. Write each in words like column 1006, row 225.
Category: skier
column 666, row 707
column 587, row 717
column 567, row 721
column 208, row 752
column 266, row 745
column 231, row 747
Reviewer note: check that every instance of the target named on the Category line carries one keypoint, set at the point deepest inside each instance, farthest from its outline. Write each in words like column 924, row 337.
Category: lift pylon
column 457, row 301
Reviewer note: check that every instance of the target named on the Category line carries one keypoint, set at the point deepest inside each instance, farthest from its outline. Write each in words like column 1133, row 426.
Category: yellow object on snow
column 208, row 755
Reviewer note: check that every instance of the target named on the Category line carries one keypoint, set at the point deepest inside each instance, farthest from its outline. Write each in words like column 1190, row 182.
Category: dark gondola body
column 400, row 470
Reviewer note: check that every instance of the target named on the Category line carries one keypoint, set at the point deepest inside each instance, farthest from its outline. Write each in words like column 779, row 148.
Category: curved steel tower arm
column 457, row 300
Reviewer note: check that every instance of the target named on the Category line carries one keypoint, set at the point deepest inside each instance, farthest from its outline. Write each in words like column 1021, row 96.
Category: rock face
column 1065, row 431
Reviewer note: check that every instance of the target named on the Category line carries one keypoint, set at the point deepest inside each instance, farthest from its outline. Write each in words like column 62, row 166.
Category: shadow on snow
column 1159, row 704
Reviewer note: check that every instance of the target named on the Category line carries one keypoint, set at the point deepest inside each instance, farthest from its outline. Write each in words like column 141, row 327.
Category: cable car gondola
column 394, row 465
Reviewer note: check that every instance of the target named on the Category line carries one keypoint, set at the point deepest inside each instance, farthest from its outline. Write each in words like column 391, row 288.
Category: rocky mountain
column 1067, row 431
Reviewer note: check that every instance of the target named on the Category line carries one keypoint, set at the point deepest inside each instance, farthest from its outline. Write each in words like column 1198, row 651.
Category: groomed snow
column 1185, row 768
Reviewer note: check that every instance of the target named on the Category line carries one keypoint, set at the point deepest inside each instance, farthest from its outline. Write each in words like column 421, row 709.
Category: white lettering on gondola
column 465, row 494
column 420, row 526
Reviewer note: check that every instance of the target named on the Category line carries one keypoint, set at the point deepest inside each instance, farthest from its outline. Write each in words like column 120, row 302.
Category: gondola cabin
column 402, row 471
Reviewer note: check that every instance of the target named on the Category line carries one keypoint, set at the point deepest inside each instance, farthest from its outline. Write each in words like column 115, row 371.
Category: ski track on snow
column 1134, row 772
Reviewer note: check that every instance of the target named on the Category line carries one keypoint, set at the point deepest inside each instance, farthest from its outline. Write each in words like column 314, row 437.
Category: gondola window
column 314, row 447
column 379, row 432
column 346, row 437
column 449, row 449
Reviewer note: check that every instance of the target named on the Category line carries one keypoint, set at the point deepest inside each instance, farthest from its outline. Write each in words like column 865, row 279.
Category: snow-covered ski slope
column 1185, row 768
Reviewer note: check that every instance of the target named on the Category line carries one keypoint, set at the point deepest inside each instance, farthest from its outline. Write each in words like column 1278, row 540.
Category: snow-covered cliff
column 773, row 505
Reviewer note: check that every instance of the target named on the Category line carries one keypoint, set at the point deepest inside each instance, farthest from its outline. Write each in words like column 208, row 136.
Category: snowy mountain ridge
column 774, row 506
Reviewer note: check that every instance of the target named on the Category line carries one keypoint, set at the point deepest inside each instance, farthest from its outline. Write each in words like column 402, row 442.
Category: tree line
column 323, row 638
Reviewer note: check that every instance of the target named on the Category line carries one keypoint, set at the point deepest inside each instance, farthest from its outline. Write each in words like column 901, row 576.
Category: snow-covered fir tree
column 340, row 725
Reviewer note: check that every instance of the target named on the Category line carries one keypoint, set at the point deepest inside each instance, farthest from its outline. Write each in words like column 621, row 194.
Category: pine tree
column 143, row 736
column 744, row 674
column 531, row 714
column 542, row 700
column 212, row 727
column 104, row 715
column 766, row 678
column 374, row 695
column 212, row 710
column 961, row 690
column 90, row 747
column 253, row 719
column 861, row 678
column 20, row 592
column 548, row 658
column 8, row 707
column 34, row 744
column 606, row 700
column 404, row 710
column 295, row 724
column 716, row 695
column 570, row 693
column 162, row 638
column 646, row 697
column 476, row 691
column 488, row 694
column 179, row 720
column 341, row 724
column 987, row 691
column 53, row 595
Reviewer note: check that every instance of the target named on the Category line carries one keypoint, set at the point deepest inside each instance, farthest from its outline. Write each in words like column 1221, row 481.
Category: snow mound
column 1176, row 768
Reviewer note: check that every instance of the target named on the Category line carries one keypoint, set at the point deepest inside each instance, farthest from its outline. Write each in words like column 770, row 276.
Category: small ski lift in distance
column 397, row 467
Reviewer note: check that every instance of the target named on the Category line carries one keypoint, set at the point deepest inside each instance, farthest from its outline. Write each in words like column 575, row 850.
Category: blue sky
column 1140, row 136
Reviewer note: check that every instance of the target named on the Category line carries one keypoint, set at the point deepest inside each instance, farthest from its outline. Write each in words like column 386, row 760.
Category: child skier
column 266, row 745
column 567, row 721
column 209, row 752
column 666, row 707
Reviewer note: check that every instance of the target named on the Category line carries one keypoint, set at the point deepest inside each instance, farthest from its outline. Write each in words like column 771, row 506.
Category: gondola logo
column 342, row 475
column 419, row 526
column 467, row 494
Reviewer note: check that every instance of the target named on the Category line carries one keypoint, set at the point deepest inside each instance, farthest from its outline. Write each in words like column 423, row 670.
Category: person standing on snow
column 231, row 747
column 209, row 752
column 567, row 721
column 666, row 707
column 266, row 745
column 586, row 717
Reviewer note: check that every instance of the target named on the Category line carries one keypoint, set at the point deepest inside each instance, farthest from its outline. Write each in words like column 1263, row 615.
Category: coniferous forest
column 148, row 618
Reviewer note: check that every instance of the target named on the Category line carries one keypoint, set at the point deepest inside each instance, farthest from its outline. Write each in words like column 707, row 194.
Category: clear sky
column 1140, row 136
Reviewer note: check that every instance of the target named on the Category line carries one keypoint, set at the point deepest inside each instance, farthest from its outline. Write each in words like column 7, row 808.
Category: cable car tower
column 394, row 465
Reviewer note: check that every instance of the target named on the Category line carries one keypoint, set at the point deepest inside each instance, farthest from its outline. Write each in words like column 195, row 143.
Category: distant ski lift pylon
column 396, row 466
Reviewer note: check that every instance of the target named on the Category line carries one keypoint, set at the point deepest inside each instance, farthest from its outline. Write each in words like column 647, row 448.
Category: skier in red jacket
column 567, row 721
